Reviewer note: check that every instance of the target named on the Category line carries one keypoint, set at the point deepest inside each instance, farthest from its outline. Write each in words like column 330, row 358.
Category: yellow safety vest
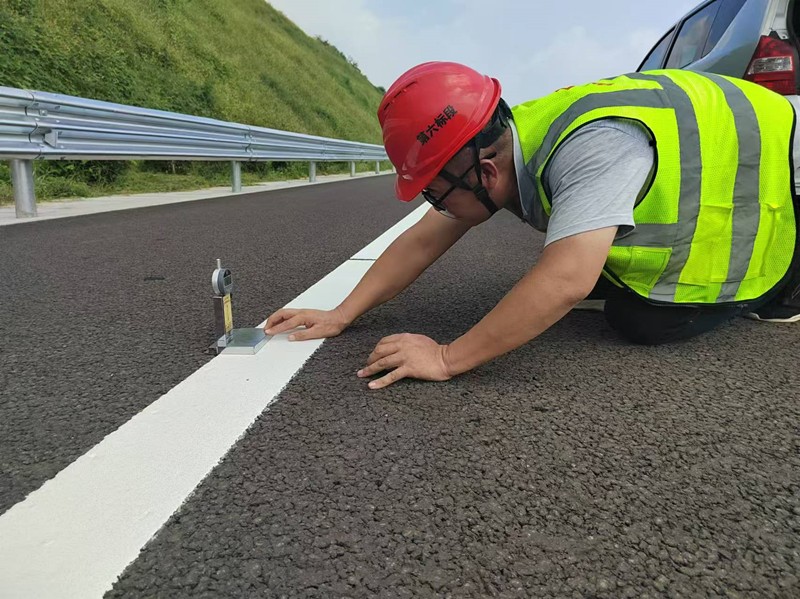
column 717, row 225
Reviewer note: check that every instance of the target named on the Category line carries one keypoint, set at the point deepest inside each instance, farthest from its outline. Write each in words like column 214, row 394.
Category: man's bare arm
column 403, row 262
column 400, row 265
column 565, row 274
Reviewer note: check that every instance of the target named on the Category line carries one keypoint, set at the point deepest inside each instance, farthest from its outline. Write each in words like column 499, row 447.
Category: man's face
column 454, row 198
column 459, row 203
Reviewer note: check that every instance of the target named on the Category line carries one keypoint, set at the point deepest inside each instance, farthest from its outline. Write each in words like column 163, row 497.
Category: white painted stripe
column 377, row 247
column 76, row 534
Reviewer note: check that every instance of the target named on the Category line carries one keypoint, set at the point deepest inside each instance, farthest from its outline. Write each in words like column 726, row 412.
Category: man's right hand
column 318, row 324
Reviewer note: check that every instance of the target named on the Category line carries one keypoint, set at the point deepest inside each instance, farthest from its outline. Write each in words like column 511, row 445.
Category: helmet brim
column 407, row 190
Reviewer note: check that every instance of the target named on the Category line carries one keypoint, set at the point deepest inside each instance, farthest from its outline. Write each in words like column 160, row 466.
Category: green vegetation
column 237, row 61
column 147, row 177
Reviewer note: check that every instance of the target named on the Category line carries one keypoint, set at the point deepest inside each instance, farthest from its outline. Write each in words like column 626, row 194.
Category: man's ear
column 489, row 173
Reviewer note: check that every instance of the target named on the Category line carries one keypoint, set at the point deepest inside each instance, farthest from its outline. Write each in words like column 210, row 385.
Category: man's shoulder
column 613, row 126
column 605, row 141
column 604, row 150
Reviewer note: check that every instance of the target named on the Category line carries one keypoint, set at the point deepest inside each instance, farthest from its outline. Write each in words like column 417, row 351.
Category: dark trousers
column 640, row 322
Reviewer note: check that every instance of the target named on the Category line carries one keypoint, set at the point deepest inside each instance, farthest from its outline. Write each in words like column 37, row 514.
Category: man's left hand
column 406, row 356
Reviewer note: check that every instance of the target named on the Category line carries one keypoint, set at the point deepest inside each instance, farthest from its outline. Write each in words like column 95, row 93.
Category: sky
column 532, row 47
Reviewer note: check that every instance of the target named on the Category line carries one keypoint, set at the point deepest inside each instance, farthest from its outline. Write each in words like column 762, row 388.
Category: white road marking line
column 377, row 247
column 77, row 533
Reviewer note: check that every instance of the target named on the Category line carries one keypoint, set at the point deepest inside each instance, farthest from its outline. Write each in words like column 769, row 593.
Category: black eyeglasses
column 456, row 182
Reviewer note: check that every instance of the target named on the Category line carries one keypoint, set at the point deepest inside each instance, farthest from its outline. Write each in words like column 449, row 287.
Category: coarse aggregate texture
column 576, row 466
column 103, row 314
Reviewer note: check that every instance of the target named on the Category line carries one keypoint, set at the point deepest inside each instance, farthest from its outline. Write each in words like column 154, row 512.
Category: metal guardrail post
column 377, row 167
column 24, row 194
column 312, row 172
column 236, row 176
column 352, row 168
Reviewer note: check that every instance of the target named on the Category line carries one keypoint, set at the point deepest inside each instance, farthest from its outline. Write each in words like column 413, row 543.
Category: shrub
column 93, row 172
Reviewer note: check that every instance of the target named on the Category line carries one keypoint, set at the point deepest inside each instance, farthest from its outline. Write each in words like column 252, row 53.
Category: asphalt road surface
column 576, row 466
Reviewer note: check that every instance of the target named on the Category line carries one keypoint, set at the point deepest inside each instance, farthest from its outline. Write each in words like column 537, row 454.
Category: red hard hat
column 428, row 115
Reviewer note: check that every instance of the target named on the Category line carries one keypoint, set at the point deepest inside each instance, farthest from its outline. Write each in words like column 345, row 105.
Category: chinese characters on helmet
column 438, row 122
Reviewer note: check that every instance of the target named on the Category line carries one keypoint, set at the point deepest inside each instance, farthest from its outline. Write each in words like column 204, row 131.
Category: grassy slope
column 236, row 60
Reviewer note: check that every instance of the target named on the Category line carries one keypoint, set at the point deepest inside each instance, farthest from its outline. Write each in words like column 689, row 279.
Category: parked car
column 750, row 39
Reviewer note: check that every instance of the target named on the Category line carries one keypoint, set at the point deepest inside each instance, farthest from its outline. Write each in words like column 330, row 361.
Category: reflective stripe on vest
column 717, row 224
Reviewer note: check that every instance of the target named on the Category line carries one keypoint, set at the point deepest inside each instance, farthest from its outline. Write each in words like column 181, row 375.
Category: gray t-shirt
column 595, row 178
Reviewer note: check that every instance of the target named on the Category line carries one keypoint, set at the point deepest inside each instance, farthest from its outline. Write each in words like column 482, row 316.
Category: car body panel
column 732, row 53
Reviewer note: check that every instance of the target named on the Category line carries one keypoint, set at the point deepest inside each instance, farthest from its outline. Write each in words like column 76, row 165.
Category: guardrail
column 44, row 126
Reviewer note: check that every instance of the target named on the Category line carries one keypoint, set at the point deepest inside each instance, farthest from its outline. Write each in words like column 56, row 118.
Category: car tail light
column 772, row 66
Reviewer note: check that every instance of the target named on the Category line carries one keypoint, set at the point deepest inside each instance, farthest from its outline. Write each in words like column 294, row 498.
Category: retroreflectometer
column 228, row 339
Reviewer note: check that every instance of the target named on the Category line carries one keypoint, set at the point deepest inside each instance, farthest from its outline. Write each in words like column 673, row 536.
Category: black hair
column 496, row 126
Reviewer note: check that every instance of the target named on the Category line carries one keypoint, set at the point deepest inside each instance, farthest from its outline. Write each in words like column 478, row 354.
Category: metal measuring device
column 228, row 339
